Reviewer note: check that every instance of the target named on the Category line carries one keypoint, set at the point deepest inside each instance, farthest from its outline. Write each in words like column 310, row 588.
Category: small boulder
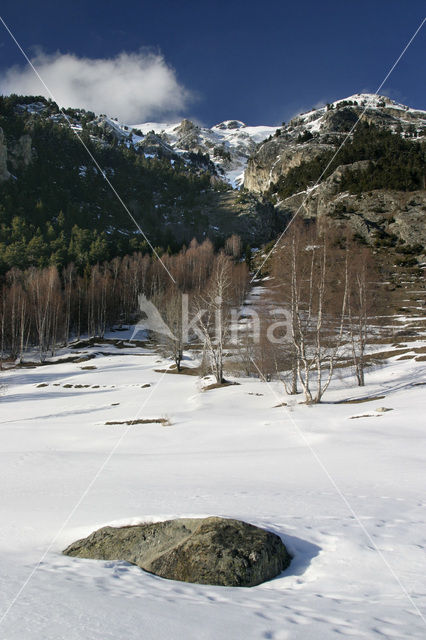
column 217, row 551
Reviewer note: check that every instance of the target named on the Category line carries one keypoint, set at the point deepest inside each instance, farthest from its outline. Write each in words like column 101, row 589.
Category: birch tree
column 214, row 315
column 363, row 301
column 316, row 279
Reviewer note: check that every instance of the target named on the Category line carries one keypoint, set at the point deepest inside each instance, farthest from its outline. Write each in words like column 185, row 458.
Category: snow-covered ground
column 346, row 495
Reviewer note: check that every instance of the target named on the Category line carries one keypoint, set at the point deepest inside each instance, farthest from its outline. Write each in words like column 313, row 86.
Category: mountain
column 309, row 134
column 370, row 176
column 228, row 144
column 56, row 206
column 179, row 180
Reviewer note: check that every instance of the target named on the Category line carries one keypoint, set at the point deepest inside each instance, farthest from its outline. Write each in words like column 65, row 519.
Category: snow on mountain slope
column 228, row 144
column 311, row 134
column 315, row 120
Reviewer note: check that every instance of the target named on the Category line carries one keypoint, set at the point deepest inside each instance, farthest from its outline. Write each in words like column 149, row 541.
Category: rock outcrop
column 213, row 550
column 17, row 155
column 21, row 153
column 274, row 159
column 4, row 173
column 378, row 217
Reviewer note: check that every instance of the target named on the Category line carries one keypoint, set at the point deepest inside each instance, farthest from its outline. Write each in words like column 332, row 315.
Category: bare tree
column 44, row 288
column 363, row 300
column 170, row 304
column 3, row 325
column 316, row 277
column 68, row 285
column 233, row 246
column 214, row 322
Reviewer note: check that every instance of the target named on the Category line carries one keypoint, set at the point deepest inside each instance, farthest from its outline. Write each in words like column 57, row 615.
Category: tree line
column 44, row 308
column 326, row 301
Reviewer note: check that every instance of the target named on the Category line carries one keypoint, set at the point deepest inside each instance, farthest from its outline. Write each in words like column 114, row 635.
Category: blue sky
column 260, row 62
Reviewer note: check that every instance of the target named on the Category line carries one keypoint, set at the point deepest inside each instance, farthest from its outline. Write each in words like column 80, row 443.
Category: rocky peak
column 230, row 125
column 155, row 144
column 185, row 127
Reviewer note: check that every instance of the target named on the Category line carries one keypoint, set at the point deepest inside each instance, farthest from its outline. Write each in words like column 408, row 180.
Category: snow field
column 227, row 452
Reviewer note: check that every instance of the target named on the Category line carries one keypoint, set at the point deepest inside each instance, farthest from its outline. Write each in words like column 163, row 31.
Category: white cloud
column 132, row 86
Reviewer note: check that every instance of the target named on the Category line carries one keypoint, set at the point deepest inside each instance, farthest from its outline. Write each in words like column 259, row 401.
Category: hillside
column 372, row 178
column 177, row 180
column 56, row 207
column 310, row 134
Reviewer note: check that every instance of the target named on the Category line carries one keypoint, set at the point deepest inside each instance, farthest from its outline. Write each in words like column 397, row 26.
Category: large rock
column 211, row 550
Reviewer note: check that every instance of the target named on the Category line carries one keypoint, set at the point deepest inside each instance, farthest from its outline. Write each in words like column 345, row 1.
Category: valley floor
column 346, row 495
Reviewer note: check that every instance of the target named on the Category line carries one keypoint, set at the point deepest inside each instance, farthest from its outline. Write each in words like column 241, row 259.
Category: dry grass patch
column 219, row 385
column 186, row 371
column 360, row 400
column 164, row 421
column 419, row 349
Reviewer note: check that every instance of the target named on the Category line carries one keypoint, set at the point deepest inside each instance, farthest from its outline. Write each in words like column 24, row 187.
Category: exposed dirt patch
column 384, row 355
column 164, row 421
column 217, row 385
column 419, row 349
column 360, row 400
column 186, row 371
column 84, row 358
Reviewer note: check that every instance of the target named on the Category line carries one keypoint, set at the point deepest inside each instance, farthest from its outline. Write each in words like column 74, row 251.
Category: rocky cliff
column 16, row 155
column 309, row 135
column 381, row 218
column 379, row 190
column 4, row 173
